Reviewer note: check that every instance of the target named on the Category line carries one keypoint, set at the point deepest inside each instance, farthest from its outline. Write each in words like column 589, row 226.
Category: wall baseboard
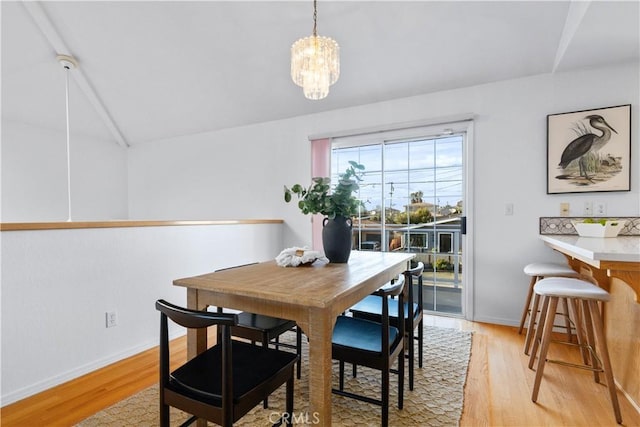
column 77, row 372
column 496, row 321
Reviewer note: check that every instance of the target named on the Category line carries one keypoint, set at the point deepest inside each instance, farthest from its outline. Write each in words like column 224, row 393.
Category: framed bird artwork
column 589, row 150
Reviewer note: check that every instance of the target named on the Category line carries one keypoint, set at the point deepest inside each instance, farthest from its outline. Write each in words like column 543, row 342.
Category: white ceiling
column 164, row 69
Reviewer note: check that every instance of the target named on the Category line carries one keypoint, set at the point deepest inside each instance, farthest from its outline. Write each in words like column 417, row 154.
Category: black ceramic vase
column 336, row 238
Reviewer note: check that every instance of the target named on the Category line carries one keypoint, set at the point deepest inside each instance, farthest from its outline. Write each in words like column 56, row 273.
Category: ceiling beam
column 48, row 30
column 577, row 10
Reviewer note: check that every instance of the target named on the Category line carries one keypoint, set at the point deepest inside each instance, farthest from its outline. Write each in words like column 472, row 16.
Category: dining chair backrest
column 393, row 289
column 411, row 298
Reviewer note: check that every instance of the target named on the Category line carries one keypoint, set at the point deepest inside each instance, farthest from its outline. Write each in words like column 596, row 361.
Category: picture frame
column 589, row 150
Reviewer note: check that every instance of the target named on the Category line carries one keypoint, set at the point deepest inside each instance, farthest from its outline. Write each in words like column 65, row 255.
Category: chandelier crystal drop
column 315, row 63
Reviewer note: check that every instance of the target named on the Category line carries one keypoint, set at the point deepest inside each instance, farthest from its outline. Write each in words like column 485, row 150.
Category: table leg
column 196, row 339
column 320, row 330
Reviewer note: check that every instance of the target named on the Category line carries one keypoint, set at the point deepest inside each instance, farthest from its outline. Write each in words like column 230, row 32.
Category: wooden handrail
column 26, row 226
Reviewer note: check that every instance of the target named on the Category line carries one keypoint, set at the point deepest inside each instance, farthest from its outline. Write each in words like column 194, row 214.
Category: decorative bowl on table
column 298, row 257
column 305, row 261
column 599, row 228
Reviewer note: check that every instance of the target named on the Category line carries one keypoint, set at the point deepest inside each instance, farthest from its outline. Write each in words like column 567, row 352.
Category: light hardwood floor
column 497, row 393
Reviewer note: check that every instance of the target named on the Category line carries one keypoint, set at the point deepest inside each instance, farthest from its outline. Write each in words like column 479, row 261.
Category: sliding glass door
column 413, row 201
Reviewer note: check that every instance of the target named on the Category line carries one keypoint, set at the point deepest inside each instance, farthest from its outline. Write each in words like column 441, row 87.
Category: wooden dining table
column 313, row 296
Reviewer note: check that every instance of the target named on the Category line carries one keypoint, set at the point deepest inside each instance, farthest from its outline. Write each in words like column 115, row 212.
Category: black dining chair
column 224, row 382
column 371, row 308
column 266, row 330
column 376, row 345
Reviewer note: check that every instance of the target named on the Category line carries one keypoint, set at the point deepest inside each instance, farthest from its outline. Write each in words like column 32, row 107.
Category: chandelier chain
column 315, row 18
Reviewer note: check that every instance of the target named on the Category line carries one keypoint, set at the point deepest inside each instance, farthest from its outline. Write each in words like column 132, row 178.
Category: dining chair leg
column 289, row 400
column 341, row 376
column 385, row 396
column 265, row 344
column 299, row 351
column 411, row 358
column 420, row 342
column 401, row 381
column 164, row 415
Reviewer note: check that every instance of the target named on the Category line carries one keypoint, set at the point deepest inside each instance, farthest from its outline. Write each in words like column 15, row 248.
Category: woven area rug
column 436, row 400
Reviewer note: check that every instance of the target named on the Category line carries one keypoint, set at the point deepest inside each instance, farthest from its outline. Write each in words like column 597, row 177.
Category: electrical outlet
column 588, row 209
column 111, row 318
column 564, row 209
column 601, row 209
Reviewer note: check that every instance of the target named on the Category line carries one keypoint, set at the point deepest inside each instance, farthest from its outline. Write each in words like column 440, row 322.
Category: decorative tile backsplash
column 563, row 225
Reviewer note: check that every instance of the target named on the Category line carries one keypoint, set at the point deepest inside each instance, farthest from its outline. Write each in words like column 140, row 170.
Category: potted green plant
column 337, row 204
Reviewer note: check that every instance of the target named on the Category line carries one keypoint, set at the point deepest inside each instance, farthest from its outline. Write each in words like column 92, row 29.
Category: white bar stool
column 538, row 271
column 584, row 298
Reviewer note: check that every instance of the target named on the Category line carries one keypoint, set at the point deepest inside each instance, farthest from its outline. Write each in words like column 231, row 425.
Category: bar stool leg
column 567, row 321
column 591, row 342
column 538, row 330
column 531, row 328
column 527, row 305
column 580, row 336
column 552, row 304
column 604, row 354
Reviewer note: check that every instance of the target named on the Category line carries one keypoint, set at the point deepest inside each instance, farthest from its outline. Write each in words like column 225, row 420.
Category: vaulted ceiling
column 161, row 69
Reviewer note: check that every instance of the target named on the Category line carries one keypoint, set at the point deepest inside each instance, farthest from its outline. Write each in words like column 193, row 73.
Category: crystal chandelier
column 315, row 62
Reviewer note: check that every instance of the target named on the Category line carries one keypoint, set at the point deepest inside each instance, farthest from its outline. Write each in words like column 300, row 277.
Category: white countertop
column 621, row 248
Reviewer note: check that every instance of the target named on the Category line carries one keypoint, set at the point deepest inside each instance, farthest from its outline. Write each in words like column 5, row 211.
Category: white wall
column 57, row 286
column 239, row 173
column 34, row 176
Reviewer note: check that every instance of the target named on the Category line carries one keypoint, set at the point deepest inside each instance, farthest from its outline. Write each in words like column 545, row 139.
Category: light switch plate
column 508, row 209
